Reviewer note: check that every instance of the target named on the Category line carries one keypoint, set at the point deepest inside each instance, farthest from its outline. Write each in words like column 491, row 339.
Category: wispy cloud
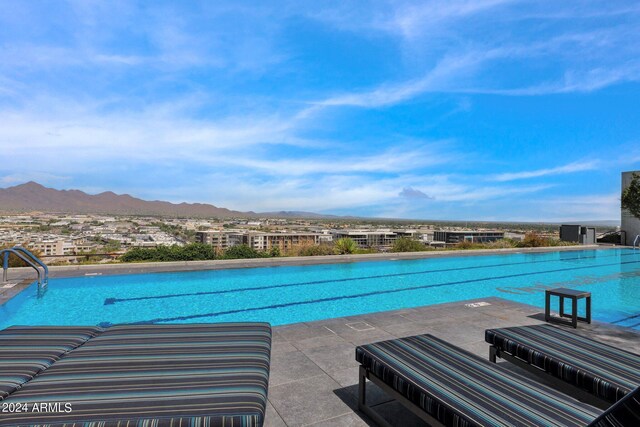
column 22, row 177
column 579, row 166
column 360, row 193
column 437, row 79
column 572, row 82
column 464, row 57
column 395, row 160
column 577, row 208
column 461, row 74
column 415, row 19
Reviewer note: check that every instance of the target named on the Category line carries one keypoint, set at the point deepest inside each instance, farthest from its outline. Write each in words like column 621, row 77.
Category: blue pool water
column 282, row 295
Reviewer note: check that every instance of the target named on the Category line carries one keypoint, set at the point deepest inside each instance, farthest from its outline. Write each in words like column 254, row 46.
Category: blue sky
column 486, row 109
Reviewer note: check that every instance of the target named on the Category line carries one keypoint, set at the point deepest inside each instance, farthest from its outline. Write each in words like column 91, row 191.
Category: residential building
column 216, row 238
column 257, row 240
column 368, row 238
column 457, row 236
column 60, row 247
column 283, row 241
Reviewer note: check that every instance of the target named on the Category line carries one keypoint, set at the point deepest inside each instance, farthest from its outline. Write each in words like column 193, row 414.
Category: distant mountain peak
column 30, row 185
column 32, row 196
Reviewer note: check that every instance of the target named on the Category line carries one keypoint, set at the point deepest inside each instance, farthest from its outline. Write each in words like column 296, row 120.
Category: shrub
column 243, row 251
column 366, row 251
column 558, row 242
column 346, row 246
column 406, row 244
column 196, row 251
column 311, row 250
column 275, row 251
column 14, row 260
column 533, row 240
column 467, row 244
column 501, row 244
column 190, row 252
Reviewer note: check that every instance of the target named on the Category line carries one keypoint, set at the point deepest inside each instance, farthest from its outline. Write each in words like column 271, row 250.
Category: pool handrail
column 636, row 242
column 27, row 257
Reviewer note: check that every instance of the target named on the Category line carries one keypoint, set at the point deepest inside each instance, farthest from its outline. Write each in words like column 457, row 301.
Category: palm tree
column 346, row 246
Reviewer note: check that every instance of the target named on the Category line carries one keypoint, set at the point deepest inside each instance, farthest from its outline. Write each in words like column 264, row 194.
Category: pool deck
column 314, row 374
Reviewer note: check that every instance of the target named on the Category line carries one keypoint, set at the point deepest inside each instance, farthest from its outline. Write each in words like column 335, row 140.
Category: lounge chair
column 445, row 385
column 596, row 372
column 153, row 375
column 27, row 351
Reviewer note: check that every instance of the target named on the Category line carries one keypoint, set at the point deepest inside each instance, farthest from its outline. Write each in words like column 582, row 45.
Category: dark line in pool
column 109, row 301
column 633, row 316
column 366, row 294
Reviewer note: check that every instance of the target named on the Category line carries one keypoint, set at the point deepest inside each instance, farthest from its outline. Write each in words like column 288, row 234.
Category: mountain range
column 32, row 196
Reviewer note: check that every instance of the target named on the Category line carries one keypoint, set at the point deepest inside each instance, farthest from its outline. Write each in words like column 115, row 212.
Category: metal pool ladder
column 29, row 258
column 636, row 242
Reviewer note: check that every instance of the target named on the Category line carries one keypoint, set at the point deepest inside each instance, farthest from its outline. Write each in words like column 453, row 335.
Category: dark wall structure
column 578, row 233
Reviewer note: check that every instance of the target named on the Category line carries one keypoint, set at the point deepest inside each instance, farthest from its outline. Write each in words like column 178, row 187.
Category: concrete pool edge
column 176, row 266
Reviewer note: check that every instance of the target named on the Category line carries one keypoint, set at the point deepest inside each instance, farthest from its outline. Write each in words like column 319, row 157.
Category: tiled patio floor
column 314, row 374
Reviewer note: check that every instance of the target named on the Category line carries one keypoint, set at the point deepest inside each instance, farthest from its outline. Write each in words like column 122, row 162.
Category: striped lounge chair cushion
column 460, row 389
column 602, row 370
column 152, row 375
column 25, row 351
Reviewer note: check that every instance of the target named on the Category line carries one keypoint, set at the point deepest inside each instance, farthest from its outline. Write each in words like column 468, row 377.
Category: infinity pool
column 282, row 295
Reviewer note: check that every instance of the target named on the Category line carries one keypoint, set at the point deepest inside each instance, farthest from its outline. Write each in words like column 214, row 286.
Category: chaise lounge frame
column 404, row 375
column 365, row 375
column 563, row 386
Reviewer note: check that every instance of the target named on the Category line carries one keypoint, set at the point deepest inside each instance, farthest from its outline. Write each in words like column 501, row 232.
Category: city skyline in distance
column 488, row 110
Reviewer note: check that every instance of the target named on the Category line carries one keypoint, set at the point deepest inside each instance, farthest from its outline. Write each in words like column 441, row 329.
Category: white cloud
column 62, row 134
column 156, row 133
column 418, row 19
column 579, row 166
column 22, row 177
column 397, row 159
column 468, row 54
column 572, row 82
column 580, row 208
column 437, row 79
column 332, row 192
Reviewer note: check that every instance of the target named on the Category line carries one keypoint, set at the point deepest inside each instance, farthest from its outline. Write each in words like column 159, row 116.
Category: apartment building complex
column 60, row 247
column 368, row 238
column 257, row 240
column 283, row 241
column 457, row 236
column 218, row 239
